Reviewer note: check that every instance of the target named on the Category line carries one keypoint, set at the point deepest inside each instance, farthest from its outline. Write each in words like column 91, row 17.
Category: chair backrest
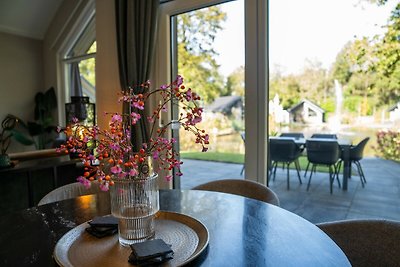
column 69, row 191
column 356, row 152
column 283, row 149
column 245, row 188
column 324, row 136
column 366, row 242
column 321, row 151
column 294, row 135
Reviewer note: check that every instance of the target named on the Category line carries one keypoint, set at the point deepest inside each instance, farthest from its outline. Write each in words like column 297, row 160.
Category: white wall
column 29, row 66
column 21, row 77
column 21, row 74
column 107, row 76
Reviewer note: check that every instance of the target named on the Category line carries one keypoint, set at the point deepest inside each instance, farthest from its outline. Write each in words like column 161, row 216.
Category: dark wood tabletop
column 242, row 231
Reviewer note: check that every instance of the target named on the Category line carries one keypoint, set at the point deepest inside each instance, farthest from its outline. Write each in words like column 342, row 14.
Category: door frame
column 256, row 75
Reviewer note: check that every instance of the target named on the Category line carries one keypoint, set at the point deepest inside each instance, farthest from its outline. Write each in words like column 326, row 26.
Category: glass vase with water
column 135, row 202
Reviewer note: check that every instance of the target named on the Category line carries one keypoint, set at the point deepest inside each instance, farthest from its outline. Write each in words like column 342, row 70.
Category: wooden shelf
column 23, row 185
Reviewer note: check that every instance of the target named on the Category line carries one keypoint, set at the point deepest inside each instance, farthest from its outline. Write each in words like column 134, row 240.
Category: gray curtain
column 77, row 108
column 76, row 83
column 136, row 22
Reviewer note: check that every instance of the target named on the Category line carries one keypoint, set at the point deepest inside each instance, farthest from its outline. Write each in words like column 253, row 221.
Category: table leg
column 30, row 189
column 346, row 165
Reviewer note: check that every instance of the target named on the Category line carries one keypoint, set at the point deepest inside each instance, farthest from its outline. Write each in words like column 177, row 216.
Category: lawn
column 214, row 156
column 238, row 158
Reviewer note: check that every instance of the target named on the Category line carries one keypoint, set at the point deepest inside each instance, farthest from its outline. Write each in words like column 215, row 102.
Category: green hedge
column 388, row 144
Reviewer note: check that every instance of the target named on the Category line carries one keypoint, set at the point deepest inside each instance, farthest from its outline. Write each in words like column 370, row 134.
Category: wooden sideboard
column 23, row 185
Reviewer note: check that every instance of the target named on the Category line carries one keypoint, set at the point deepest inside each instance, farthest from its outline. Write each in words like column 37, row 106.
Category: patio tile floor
column 380, row 198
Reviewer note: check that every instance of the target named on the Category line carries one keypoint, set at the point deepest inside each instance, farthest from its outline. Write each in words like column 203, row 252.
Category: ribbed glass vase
column 135, row 202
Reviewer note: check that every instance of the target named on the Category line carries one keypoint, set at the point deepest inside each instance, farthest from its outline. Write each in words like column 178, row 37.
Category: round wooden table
column 242, row 231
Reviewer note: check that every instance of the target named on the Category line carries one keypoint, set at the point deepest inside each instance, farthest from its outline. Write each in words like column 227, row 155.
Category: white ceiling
column 28, row 18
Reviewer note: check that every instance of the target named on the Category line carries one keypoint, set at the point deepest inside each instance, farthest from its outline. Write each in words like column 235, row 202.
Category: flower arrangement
column 112, row 147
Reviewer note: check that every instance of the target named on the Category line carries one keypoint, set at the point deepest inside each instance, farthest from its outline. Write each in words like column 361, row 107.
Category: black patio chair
column 320, row 136
column 285, row 151
column 294, row 135
column 323, row 152
column 325, row 136
column 356, row 154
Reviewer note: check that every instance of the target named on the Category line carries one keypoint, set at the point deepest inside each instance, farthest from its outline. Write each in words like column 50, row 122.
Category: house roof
column 312, row 105
column 223, row 104
column 394, row 107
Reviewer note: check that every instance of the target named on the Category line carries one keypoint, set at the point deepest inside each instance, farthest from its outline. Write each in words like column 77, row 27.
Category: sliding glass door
column 204, row 41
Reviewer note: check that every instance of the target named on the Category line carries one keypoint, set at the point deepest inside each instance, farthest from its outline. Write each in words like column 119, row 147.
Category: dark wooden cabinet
column 28, row 181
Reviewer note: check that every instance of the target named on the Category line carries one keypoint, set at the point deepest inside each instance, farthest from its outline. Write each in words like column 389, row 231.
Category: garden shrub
column 388, row 144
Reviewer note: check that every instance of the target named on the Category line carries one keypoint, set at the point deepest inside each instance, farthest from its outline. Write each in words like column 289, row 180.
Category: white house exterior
column 277, row 112
column 306, row 112
column 394, row 113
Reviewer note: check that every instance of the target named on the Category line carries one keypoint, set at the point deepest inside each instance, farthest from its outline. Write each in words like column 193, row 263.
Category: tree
column 379, row 2
column 287, row 88
column 87, row 67
column 196, row 54
column 388, row 50
column 351, row 69
column 388, row 63
column 341, row 69
column 383, row 60
column 235, row 82
column 312, row 83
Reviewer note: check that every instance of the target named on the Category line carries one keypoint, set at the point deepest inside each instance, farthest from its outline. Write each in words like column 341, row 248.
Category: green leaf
column 22, row 138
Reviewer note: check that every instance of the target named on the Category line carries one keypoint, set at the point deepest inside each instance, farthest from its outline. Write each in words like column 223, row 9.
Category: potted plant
column 39, row 132
column 7, row 126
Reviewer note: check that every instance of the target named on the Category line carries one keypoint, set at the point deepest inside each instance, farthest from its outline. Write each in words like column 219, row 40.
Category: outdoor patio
column 379, row 199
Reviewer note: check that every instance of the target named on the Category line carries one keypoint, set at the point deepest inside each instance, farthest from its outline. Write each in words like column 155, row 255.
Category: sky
column 314, row 30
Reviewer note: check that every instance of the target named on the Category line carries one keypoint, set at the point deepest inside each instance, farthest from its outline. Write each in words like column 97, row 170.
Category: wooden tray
column 188, row 238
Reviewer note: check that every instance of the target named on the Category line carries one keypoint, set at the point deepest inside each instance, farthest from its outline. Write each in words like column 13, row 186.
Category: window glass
column 80, row 65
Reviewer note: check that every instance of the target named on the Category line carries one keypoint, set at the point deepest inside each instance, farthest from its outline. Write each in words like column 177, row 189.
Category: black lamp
column 82, row 109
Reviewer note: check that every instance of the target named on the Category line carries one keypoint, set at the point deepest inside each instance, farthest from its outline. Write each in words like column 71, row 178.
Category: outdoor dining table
column 344, row 145
column 242, row 231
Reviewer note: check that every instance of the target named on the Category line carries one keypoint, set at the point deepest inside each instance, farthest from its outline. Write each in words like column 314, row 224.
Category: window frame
column 71, row 38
